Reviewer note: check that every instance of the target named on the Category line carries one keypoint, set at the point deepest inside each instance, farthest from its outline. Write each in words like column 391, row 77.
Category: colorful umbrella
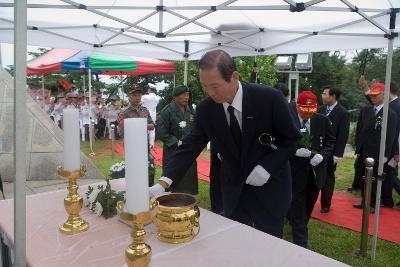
column 58, row 60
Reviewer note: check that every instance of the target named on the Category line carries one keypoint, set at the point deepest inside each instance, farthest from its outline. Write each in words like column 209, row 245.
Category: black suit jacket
column 264, row 110
column 395, row 106
column 340, row 120
column 323, row 142
column 368, row 136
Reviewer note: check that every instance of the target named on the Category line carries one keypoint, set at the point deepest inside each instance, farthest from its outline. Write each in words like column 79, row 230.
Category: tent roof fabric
column 181, row 28
column 57, row 60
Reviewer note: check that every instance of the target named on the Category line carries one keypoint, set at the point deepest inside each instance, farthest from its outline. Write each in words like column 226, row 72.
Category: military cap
column 134, row 89
column 180, row 90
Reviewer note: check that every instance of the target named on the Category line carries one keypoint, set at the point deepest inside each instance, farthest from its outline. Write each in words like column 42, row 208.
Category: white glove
column 336, row 159
column 317, row 159
column 156, row 190
column 385, row 160
column 303, row 152
column 258, row 176
column 179, row 143
column 392, row 163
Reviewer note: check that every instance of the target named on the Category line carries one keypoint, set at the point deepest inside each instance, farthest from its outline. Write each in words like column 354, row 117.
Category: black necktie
column 234, row 127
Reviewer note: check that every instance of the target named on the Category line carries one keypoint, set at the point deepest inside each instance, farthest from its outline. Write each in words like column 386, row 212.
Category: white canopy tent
column 184, row 30
column 163, row 29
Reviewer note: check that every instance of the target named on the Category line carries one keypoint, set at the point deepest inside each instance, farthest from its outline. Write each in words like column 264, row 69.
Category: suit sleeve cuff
column 167, row 180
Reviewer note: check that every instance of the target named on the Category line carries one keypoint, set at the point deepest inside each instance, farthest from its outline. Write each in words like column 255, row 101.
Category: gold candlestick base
column 138, row 253
column 73, row 202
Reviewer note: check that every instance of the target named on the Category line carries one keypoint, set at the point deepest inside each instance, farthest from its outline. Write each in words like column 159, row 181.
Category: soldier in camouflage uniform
column 174, row 122
column 136, row 110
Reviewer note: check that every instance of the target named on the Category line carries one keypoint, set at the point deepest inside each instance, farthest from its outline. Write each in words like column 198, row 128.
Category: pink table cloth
column 221, row 242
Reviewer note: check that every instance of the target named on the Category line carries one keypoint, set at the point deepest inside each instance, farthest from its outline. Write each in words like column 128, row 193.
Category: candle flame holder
column 138, row 253
column 73, row 202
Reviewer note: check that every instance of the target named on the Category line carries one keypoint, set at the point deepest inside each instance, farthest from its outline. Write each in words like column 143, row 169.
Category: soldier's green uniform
column 140, row 112
column 169, row 131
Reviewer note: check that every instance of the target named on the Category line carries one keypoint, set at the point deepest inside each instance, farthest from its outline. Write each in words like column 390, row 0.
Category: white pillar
column 20, row 122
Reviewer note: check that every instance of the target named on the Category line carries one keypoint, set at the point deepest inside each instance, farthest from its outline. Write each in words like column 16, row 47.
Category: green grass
column 329, row 240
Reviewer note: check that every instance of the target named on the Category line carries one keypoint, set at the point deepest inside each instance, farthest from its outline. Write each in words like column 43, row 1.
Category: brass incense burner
column 176, row 216
column 73, row 202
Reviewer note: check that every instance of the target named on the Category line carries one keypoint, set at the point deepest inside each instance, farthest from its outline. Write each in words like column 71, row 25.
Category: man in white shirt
column 150, row 101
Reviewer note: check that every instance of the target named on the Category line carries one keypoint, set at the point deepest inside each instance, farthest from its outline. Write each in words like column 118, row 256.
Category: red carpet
column 343, row 214
column 203, row 165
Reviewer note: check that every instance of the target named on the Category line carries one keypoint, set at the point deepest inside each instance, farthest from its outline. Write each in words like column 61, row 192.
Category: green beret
column 180, row 90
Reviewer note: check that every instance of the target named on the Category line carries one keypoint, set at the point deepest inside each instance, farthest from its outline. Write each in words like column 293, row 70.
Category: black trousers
column 250, row 212
column 328, row 188
column 387, row 186
column 303, row 201
column 358, row 175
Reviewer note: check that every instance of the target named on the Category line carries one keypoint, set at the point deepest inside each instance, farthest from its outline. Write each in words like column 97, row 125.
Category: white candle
column 136, row 165
column 72, row 153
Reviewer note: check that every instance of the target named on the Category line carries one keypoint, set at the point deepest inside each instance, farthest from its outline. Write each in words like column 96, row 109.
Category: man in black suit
column 308, row 164
column 251, row 128
column 340, row 120
column 368, row 136
column 391, row 180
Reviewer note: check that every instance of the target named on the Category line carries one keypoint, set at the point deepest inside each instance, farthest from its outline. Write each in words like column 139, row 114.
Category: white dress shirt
column 237, row 104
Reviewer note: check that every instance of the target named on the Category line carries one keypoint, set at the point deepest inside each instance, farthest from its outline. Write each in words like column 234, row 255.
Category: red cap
column 376, row 89
column 307, row 102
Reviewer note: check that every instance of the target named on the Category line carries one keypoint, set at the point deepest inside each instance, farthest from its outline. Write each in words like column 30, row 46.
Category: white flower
column 194, row 106
column 182, row 124
column 85, row 201
column 92, row 197
column 303, row 130
column 98, row 209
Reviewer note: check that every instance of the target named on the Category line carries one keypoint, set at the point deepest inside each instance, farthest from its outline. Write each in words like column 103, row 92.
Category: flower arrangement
column 117, row 170
column 306, row 140
column 103, row 201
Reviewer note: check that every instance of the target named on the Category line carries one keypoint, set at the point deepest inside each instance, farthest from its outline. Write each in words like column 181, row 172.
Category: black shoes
column 324, row 210
column 358, row 206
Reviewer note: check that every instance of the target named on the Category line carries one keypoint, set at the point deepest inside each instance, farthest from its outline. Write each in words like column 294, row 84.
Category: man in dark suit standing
column 308, row 164
column 251, row 128
column 391, row 180
column 368, row 136
column 340, row 120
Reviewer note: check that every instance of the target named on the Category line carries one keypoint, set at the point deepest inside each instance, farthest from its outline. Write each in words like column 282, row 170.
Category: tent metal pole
column 120, row 31
column 78, row 6
column 160, row 18
column 366, row 17
column 91, row 137
column 185, row 74
column 255, row 7
column 312, row 2
column 382, row 145
column 43, row 100
column 84, row 85
column 20, row 126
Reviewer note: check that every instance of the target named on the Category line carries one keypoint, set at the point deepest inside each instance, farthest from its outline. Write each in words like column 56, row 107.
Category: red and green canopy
column 59, row 60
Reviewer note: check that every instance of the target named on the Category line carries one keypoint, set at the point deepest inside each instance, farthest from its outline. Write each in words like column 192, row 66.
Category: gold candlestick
column 138, row 253
column 73, row 202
